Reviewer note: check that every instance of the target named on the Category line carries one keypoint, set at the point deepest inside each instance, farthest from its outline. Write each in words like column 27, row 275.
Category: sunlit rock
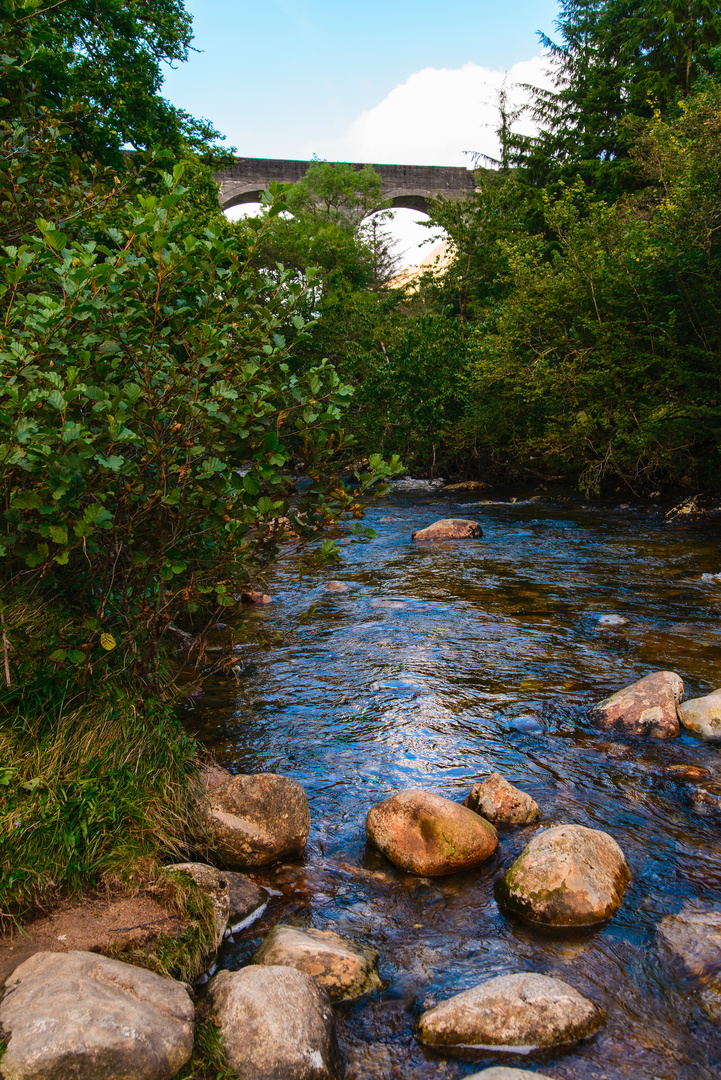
column 428, row 835
column 612, row 620
column 517, row 1013
column 255, row 597
column 336, row 586
column 275, row 1022
column 498, row 801
column 567, row 876
column 702, row 716
column 464, row 485
column 343, row 968
column 450, row 529
column 79, row 1014
column 256, row 819
column 648, row 707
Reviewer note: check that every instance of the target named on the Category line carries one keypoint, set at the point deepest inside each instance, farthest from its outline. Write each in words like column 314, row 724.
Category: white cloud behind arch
column 437, row 113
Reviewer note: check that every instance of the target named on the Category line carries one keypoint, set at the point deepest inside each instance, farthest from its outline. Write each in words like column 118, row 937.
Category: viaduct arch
column 410, row 186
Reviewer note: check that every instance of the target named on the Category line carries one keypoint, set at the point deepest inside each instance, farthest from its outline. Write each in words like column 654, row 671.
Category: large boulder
column 428, row 835
column 257, row 819
column 215, row 885
column 693, row 939
column 566, row 876
column 702, row 716
column 498, row 801
column 449, row 529
column 345, row 970
column 276, row 1024
column 648, row 707
column 82, row 1015
column 513, row 1012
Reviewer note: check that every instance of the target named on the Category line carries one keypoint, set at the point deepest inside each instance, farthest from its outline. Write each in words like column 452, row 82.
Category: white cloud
column 436, row 114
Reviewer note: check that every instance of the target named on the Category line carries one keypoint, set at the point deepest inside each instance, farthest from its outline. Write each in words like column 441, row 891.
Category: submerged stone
column 693, row 939
column 516, row 1013
column 344, row 969
column 647, row 707
column 428, row 835
column 567, row 876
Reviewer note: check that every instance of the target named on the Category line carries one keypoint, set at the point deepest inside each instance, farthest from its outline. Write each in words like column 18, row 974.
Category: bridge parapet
column 411, row 186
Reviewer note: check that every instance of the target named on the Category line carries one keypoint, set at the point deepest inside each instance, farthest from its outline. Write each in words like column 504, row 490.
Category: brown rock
column 465, row 485
column 276, row 1024
column 521, row 1012
column 687, row 772
column 567, row 876
column 344, row 969
column 450, row 529
column 84, row 1016
column 705, row 797
column 247, row 900
column 336, row 586
column 702, row 716
column 693, row 938
column 648, row 707
column 212, row 776
column 498, row 801
column 255, row 597
column 257, row 819
column 214, row 883
column 428, row 835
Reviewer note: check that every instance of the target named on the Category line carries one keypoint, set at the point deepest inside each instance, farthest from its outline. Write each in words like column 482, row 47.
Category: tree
column 615, row 59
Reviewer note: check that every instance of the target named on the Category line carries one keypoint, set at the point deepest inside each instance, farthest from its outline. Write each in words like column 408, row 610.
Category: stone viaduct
column 411, row 186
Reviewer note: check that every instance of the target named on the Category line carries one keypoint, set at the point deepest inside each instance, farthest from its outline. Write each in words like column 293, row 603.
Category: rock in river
column 567, row 876
column 215, row 884
column 502, row 1072
column 81, row 1015
column 450, row 529
column 248, row 901
column 498, row 801
column 428, row 835
column 648, row 707
column 516, row 1013
column 702, row 716
column 256, row 819
column 693, row 938
column 276, row 1024
column 345, row 970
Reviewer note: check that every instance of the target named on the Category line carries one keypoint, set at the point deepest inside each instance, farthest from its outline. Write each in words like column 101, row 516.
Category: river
column 441, row 662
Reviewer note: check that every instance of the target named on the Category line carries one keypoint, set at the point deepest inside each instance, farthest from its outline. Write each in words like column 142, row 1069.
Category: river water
column 440, row 663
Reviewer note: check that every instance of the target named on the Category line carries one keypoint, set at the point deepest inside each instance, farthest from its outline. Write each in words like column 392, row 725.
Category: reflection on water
column 440, row 663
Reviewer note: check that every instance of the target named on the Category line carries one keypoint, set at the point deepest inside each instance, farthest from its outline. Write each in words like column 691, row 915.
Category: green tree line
column 575, row 337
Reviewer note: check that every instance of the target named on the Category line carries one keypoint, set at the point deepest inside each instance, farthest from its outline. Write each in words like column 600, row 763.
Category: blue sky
column 379, row 81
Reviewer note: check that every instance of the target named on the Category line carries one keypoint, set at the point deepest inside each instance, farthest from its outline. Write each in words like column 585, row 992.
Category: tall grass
column 87, row 789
